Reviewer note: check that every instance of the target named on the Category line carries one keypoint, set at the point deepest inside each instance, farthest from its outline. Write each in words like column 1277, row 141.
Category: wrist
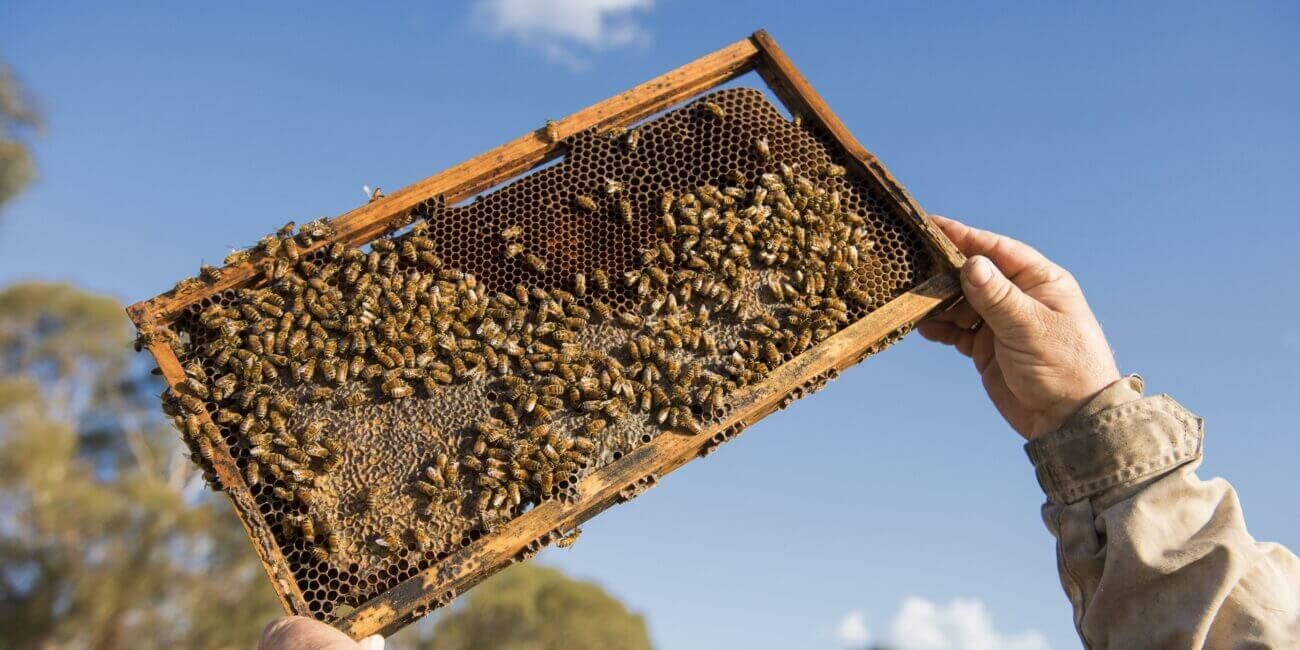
column 1110, row 390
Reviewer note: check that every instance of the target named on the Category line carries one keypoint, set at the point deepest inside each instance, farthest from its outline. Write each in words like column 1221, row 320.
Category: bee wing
column 366, row 189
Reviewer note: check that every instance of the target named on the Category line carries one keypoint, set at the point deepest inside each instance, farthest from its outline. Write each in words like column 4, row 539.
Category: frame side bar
column 490, row 168
column 796, row 93
column 232, row 483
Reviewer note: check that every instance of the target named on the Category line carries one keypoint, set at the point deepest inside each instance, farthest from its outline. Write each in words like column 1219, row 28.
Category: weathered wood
column 798, row 95
column 232, row 483
column 601, row 489
column 484, row 171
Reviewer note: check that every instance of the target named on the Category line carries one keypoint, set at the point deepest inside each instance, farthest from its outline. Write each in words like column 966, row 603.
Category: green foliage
column 109, row 538
column 529, row 607
column 59, row 325
column 17, row 116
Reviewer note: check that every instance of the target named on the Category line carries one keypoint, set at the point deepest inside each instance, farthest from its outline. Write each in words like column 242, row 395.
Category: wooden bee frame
column 627, row 477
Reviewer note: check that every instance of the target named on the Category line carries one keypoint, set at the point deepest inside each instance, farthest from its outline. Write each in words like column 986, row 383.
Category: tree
column 108, row 538
column 17, row 118
column 529, row 607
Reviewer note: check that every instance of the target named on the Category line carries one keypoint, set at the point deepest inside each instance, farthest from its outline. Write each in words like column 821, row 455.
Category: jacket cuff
column 1117, row 438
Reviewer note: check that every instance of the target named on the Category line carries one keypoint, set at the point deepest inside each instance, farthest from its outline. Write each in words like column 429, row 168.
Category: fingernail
column 979, row 271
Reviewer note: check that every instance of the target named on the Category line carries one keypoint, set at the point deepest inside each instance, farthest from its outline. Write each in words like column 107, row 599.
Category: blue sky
column 1151, row 149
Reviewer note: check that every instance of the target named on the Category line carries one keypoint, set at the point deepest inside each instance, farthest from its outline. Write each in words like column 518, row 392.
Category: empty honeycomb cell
column 374, row 508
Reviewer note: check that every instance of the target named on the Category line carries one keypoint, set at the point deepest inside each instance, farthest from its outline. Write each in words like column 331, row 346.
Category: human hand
column 1035, row 342
column 302, row 633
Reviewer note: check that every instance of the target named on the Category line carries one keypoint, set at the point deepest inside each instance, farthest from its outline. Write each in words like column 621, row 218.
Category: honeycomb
column 409, row 454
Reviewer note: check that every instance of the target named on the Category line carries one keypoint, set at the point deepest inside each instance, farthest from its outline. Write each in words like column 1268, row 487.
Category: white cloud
column 566, row 31
column 852, row 633
column 962, row 624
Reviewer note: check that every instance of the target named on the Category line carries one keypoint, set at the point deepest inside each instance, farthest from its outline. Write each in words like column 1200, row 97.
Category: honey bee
column 633, row 139
column 712, row 108
column 409, row 252
column 686, row 422
column 253, row 473
column 209, row 273
column 423, row 541
column 585, row 202
column 630, row 320
column 762, row 148
column 286, row 230
column 668, row 223
column 601, row 278
column 187, row 285
column 389, row 542
column 308, row 528
column 223, row 387
column 355, row 398
column 625, row 211
column 537, row 264
column 428, row 489
column 545, row 481
column 512, row 232
column 569, row 539
column 833, row 171
column 289, row 250
column 312, row 431
column 237, row 257
column 316, row 229
column 612, row 187
column 513, row 249
column 657, row 275
column 580, row 285
column 429, row 259
column 269, row 245
column 541, row 413
column 552, row 131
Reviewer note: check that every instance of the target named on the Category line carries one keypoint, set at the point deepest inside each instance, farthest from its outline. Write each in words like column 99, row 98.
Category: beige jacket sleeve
column 1150, row 555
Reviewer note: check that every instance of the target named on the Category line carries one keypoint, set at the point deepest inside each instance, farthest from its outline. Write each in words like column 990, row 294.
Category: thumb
column 373, row 642
column 996, row 299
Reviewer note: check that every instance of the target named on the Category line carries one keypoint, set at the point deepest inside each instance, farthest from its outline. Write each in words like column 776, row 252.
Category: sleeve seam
column 1153, row 452
column 1125, row 474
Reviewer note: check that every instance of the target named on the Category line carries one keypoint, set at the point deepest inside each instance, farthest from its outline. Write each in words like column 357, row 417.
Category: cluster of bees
column 351, row 327
column 787, row 224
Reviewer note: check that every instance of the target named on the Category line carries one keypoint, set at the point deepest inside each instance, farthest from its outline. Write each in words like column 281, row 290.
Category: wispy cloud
column 852, row 633
column 566, row 31
column 963, row 624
